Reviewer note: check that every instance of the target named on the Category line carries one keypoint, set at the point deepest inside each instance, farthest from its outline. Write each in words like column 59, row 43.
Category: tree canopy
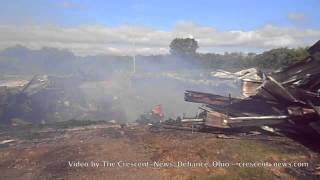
column 276, row 58
column 271, row 59
column 183, row 47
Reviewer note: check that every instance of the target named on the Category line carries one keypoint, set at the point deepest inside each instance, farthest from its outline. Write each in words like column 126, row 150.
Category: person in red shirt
column 157, row 113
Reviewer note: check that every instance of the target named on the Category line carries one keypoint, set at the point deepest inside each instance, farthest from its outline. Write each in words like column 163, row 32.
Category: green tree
column 184, row 47
column 280, row 57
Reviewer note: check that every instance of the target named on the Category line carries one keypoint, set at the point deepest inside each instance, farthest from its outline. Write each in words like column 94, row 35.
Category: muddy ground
column 47, row 152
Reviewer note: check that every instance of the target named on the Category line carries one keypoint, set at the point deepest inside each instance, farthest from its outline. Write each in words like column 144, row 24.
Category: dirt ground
column 135, row 152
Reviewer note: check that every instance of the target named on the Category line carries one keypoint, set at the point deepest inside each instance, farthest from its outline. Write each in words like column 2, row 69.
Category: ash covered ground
column 66, row 151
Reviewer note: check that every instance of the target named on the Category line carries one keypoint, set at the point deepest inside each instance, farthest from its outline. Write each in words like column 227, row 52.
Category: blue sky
column 102, row 26
column 162, row 14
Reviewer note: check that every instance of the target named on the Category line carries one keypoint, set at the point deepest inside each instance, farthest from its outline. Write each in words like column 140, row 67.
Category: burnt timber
column 288, row 98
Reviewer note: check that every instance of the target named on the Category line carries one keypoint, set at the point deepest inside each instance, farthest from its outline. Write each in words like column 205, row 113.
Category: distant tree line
column 271, row 59
column 183, row 56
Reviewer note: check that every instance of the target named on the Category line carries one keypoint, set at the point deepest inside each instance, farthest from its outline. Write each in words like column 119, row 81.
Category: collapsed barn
column 287, row 99
column 46, row 99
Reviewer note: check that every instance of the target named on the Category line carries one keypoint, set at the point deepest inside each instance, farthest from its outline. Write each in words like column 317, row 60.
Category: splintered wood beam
column 259, row 118
column 207, row 98
column 192, row 120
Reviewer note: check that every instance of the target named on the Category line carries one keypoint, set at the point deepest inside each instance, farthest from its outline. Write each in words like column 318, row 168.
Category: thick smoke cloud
column 96, row 39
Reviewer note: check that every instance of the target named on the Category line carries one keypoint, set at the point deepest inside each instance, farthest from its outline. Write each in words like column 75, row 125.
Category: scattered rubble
column 251, row 73
column 288, row 98
column 46, row 99
column 250, row 79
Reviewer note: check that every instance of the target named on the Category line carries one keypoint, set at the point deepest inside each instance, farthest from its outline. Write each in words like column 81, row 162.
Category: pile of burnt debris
column 46, row 99
column 288, row 99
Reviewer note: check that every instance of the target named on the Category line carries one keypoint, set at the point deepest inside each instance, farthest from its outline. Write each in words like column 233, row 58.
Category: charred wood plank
column 207, row 98
column 277, row 91
column 314, row 48
column 254, row 122
column 298, row 71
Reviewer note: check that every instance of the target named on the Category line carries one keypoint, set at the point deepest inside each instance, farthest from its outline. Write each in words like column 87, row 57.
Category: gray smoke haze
column 108, row 88
column 137, row 93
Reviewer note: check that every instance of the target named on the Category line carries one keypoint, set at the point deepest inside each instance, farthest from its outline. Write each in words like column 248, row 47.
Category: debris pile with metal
column 288, row 98
column 50, row 99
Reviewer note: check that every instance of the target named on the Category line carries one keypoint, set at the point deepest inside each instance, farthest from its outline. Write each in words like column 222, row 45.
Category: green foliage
column 226, row 60
column 183, row 47
column 272, row 59
column 20, row 60
column 280, row 57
